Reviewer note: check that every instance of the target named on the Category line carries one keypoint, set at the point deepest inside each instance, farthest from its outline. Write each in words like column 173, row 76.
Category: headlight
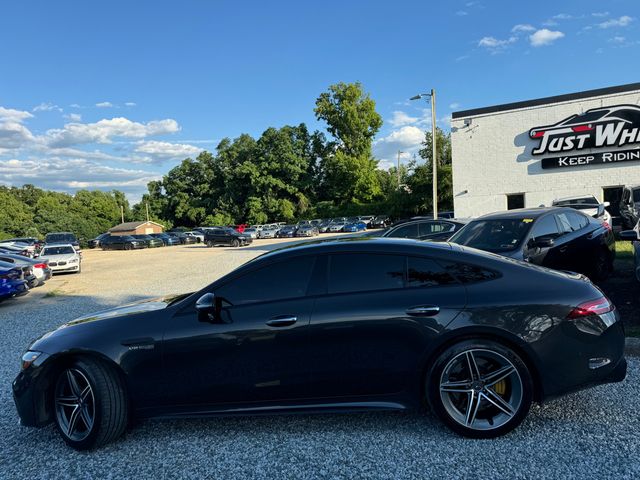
column 73, row 260
column 28, row 358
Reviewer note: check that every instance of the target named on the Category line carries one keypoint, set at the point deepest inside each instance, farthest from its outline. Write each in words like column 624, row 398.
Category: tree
column 421, row 182
column 15, row 215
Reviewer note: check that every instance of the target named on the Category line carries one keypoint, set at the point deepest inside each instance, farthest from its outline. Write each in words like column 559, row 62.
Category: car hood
column 59, row 258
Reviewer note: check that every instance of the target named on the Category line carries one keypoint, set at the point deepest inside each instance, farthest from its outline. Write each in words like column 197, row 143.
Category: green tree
column 15, row 215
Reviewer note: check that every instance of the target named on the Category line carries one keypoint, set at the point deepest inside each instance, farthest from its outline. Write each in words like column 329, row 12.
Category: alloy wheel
column 481, row 389
column 75, row 405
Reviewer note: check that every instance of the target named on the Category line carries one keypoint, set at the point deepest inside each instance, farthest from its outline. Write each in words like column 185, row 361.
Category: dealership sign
column 598, row 128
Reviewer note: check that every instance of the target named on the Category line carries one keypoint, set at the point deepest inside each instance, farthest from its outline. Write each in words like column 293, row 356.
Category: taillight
column 40, row 265
column 592, row 307
column 538, row 134
column 606, row 225
column 581, row 128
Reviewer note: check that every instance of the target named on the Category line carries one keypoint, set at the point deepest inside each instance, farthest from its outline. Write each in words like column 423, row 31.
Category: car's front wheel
column 480, row 388
column 235, row 243
column 90, row 404
column 209, row 243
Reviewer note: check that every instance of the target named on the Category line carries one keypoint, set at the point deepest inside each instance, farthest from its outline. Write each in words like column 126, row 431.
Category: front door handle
column 423, row 311
column 282, row 321
column 563, row 249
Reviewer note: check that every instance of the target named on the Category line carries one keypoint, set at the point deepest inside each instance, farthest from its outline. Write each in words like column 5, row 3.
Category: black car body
column 560, row 238
column 149, row 241
column 168, row 240
column 307, row 230
column 287, row 231
column 433, row 230
column 332, row 326
column 630, row 206
column 182, row 238
column 225, row 236
column 95, row 242
column 62, row 238
column 122, row 242
column 634, row 237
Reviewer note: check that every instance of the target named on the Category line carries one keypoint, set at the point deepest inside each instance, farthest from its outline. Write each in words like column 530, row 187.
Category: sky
column 111, row 95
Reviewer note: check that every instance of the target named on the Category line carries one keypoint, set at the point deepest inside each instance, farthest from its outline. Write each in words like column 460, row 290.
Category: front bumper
column 66, row 268
column 29, row 395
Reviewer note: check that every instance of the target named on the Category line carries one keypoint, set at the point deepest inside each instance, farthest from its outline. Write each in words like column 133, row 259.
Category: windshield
column 60, row 237
column 58, row 251
column 499, row 235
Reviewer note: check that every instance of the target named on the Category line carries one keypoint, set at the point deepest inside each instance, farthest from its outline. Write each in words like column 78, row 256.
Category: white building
column 503, row 159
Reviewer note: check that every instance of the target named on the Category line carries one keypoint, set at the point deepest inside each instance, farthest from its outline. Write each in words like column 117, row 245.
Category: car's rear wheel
column 235, row 243
column 480, row 388
column 127, row 246
column 209, row 243
column 90, row 404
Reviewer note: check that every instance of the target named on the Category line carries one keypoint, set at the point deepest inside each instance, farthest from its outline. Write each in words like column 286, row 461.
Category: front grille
column 62, row 263
column 53, row 264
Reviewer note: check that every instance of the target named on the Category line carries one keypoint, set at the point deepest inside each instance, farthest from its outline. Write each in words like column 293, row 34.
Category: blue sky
column 113, row 94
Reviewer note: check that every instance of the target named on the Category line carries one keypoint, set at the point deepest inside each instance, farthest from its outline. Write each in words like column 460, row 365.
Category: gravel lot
column 590, row 434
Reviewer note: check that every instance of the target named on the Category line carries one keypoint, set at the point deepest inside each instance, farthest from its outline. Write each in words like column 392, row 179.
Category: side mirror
column 208, row 308
column 630, row 235
column 544, row 242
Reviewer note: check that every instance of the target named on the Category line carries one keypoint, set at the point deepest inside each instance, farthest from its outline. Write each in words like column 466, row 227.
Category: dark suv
column 225, row 236
column 558, row 238
column 630, row 206
column 59, row 238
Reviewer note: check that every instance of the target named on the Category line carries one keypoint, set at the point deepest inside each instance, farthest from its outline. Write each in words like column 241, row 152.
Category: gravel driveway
column 590, row 434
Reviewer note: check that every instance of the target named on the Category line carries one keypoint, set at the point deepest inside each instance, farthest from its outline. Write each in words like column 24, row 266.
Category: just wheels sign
column 595, row 129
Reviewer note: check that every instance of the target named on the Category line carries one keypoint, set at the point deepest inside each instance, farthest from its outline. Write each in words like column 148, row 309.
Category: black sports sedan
column 121, row 242
column 362, row 324
column 225, row 236
column 558, row 238
column 434, row 230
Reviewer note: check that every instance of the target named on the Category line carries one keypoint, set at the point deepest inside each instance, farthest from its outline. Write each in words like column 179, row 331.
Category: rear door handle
column 423, row 311
column 282, row 321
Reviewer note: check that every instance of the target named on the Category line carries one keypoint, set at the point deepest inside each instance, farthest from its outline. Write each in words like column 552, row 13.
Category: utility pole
column 146, row 204
column 122, row 212
column 434, row 160
column 400, row 152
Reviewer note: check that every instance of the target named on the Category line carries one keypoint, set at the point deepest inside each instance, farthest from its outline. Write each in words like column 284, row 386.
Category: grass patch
column 54, row 293
column 624, row 251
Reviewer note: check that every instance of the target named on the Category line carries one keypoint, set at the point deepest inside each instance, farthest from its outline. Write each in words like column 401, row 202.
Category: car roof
column 524, row 212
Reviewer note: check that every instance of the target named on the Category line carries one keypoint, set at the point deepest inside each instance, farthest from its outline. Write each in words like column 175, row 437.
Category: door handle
column 423, row 311
column 563, row 249
column 282, row 321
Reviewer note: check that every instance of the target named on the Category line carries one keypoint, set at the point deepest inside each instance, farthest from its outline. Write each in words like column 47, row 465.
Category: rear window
column 365, row 272
column 60, row 237
column 405, row 231
column 495, row 235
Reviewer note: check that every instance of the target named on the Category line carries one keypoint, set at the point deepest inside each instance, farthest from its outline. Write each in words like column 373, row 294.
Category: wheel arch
column 483, row 333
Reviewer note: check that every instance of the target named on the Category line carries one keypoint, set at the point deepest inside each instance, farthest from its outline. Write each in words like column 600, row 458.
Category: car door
column 570, row 245
column 545, row 228
column 370, row 330
column 256, row 352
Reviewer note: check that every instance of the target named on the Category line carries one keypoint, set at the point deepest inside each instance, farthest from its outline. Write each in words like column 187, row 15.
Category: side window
column 564, row 223
column 546, row 227
column 405, row 231
column 466, row 273
column 279, row 281
column 578, row 222
column 429, row 228
column 636, row 195
column 365, row 271
column 424, row 272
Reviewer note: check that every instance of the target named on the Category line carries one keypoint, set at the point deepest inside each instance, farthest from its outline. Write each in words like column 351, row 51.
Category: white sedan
column 199, row 236
column 62, row 258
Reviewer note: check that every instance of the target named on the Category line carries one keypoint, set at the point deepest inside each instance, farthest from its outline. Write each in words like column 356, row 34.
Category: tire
column 104, row 409
column 235, row 243
column 127, row 246
column 502, row 405
column 209, row 243
column 603, row 266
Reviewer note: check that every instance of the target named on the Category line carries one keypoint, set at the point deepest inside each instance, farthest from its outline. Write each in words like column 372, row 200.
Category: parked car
column 336, row 227
column 226, row 236
column 17, row 248
column 95, row 242
column 240, row 228
column 62, row 258
column 355, row 227
column 251, row 231
column 12, row 283
column 122, row 242
column 307, row 230
column 149, row 241
column 62, row 238
column 380, row 221
column 167, row 239
column 27, row 272
column 557, row 237
column 434, row 230
column 587, row 204
column 287, row 231
column 39, row 267
column 31, row 244
column 199, row 236
column 183, row 238
column 630, row 206
column 268, row 232
column 634, row 237
column 324, row 226
column 341, row 325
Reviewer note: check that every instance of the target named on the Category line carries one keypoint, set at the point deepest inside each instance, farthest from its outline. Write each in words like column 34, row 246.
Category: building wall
column 144, row 229
column 492, row 157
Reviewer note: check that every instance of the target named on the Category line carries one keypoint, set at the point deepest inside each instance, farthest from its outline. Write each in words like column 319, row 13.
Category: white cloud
column 166, row 150
column 563, row 16
column 46, row 107
column 14, row 135
column 544, row 37
column 617, row 22
column 454, row 106
column 495, row 45
column 462, row 13
column 74, row 117
column 600, row 14
column 408, row 139
column 400, row 119
column 104, row 105
column 75, row 105
column 130, row 104
column 105, row 130
column 617, row 39
column 522, row 27
column 11, row 115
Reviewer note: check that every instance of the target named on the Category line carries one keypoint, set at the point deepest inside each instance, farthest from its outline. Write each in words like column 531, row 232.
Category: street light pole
column 434, row 160
column 398, row 170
